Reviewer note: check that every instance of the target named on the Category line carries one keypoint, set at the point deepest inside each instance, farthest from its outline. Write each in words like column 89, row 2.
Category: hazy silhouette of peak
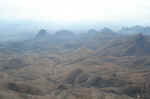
column 64, row 33
column 42, row 33
column 135, row 30
column 92, row 31
column 107, row 30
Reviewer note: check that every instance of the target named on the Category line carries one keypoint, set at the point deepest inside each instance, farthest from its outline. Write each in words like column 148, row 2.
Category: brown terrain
column 101, row 66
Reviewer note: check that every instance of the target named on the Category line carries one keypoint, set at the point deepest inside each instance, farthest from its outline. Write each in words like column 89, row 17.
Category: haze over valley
column 82, row 49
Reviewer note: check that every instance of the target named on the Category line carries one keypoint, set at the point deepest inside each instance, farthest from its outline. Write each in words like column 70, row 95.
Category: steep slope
column 136, row 45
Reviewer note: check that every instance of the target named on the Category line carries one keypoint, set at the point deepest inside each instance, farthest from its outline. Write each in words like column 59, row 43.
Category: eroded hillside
column 101, row 66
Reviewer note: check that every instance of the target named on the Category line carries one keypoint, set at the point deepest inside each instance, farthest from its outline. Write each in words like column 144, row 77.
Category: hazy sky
column 75, row 10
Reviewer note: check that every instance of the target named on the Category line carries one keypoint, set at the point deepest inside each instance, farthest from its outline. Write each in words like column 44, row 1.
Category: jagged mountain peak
column 106, row 30
column 92, row 31
column 42, row 33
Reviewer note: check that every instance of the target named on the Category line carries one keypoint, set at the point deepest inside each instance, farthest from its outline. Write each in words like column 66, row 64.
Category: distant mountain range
column 136, row 45
column 101, row 64
column 18, row 33
column 105, row 42
column 135, row 30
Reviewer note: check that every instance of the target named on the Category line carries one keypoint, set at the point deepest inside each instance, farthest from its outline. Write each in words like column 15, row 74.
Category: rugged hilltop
column 137, row 45
column 64, row 65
